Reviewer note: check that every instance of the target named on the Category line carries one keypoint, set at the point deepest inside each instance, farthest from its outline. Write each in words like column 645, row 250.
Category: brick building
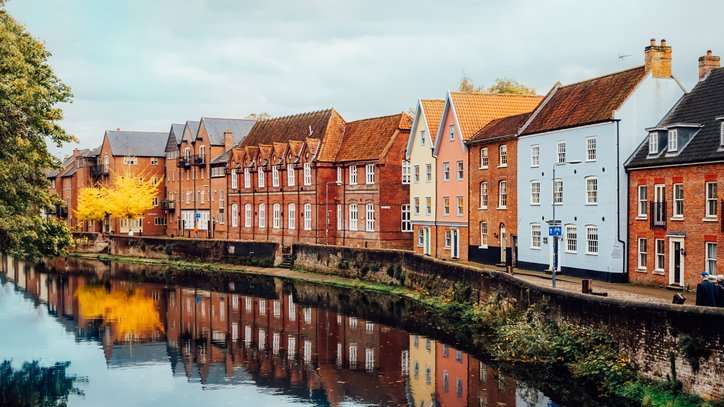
column 676, row 189
column 171, row 184
column 493, row 158
column 141, row 153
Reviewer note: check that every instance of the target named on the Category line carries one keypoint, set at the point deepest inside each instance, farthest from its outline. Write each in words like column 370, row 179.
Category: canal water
column 185, row 339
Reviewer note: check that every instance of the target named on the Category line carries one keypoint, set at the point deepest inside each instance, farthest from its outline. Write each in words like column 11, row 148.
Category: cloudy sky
column 143, row 64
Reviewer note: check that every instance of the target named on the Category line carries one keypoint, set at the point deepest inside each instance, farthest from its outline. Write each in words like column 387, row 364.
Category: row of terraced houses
column 628, row 164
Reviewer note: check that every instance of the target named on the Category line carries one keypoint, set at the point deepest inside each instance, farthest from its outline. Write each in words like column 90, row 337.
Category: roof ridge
column 494, row 94
column 377, row 117
column 602, row 76
column 136, row 131
column 222, row 118
column 296, row 115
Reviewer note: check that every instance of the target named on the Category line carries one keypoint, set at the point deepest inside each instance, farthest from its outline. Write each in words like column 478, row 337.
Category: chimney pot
column 658, row 59
column 653, row 41
column 707, row 63
column 663, row 42
column 708, row 52
column 118, row 129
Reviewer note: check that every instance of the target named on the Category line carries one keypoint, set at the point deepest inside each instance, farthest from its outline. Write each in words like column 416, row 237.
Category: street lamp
column 326, row 210
column 554, row 222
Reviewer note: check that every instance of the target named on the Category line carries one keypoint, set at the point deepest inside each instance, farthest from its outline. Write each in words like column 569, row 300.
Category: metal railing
column 99, row 170
column 183, row 162
column 168, row 205
column 198, row 160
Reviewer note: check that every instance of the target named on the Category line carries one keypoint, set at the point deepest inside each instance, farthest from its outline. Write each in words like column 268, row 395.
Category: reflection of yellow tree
column 130, row 311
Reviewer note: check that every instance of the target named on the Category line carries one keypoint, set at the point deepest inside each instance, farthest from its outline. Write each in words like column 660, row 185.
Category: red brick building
column 171, row 181
column 676, row 189
column 493, row 153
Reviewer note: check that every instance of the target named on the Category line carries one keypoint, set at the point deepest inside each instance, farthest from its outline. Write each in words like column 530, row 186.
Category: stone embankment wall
column 263, row 254
column 647, row 333
column 89, row 242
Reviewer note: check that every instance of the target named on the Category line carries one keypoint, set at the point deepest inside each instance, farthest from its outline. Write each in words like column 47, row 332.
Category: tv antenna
column 622, row 56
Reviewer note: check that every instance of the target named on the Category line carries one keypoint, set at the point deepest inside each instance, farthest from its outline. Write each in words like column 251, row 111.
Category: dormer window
column 422, row 137
column 673, row 141
column 653, row 143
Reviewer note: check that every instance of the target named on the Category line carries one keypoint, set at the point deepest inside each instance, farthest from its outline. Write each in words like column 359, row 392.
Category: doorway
column 503, row 242
column 455, row 243
column 676, row 261
column 426, row 240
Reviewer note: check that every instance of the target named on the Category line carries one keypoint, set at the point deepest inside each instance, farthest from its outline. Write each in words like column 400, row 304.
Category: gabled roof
column 215, row 129
column 174, row 136
column 326, row 125
column 703, row 106
column 137, row 143
column 475, row 110
column 591, row 101
column 368, row 139
column 432, row 109
column 505, row 126
column 192, row 127
column 222, row 158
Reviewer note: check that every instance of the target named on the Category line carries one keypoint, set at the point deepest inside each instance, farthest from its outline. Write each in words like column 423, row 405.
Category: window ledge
column 482, row 247
column 483, row 207
column 535, row 204
column 591, row 254
column 659, row 272
column 592, row 204
column 640, row 270
column 642, row 218
column 677, row 218
column 710, row 219
column 503, row 166
column 535, row 248
column 483, row 168
column 501, row 208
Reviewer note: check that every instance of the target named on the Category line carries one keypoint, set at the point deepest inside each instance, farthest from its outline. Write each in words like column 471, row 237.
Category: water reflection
column 257, row 333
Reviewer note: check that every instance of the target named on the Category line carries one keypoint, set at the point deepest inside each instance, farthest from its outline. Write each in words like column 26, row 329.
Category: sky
column 144, row 64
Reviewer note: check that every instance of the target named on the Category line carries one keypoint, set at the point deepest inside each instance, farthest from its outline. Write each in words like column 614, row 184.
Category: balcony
column 198, row 160
column 658, row 215
column 60, row 211
column 98, row 170
column 168, row 205
column 183, row 162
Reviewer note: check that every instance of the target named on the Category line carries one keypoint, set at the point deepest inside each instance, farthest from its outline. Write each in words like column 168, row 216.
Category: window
column 503, row 156
column 711, row 258
column 275, row 176
column 535, row 235
column 653, row 143
column 188, row 197
column 502, row 194
column 155, row 201
column 234, row 215
column 591, row 239
column 561, row 152
column 591, row 149
column 428, row 205
column 420, row 237
column 247, row 215
column 678, row 201
column 370, row 174
column 571, row 239
column 262, row 216
column 234, row 179
column 535, row 156
column 416, row 201
column 307, row 216
column 307, row 174
column 405, row 172
column 483, row 158
column 154, row 161
column 660, row 247
column 353, row 175
column 340, row 209
column 130, row 160
column 291, row 216
column 445, row 205
column 428, row 173
column 673, row 140
column 203, row 172
column 159, row 221
column 370, row 218
column 276, row 216
column 417, row 174
column 483, row 195
column 446, row 171
column 290, row 175
column 339, row 175
column 721, row 134
column 711, row 197
column 203, row 196
column 591, row 191
column 452, row 132
column 459, row 201
column 422, row 137
column 260, row 177
column 353, row 217
column 448, row 238
column 643, row 201
column 247, row 178
column 483, row 234
column 461, row 172
column 535, row 192
column 406, row 224
column 221, row 199
column 558, row 192
column 642, row 254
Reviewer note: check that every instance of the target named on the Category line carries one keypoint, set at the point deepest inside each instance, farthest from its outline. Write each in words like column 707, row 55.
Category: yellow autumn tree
column 132, row 312
column 91, row 204
column 130, row 195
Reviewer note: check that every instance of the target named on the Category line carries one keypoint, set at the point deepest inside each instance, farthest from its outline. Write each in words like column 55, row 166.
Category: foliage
column 258, row 116
column 130, row 195
column 692, row 351
column 132, row 312
column 467, row 85
column 29, row 115
column 501, row 85
column 91, row 204
column 36, row 386
column 51, row 238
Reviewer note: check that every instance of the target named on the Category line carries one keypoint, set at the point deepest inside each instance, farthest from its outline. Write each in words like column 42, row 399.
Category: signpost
column 554, row 231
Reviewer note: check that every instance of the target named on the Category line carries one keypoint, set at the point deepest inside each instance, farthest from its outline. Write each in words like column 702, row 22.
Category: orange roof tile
column 591, row 101
column 367, row 139
column 475, row 110
column 433, row 111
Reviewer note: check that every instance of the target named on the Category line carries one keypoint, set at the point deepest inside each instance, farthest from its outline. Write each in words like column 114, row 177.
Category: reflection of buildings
column 220, row 339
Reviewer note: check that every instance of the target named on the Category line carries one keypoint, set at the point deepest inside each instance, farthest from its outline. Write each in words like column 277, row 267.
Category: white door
column 427, row 240
column 676, row 261
column 503, row 242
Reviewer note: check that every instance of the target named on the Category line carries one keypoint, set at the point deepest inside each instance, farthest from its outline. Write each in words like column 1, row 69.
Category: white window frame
column 428, row 173
column 405, row 172
column 234, row 179
column 561, row 152
column 673, row 143
column 275, row 176
column 307, row 173
column 446, row 171
column 711, row 204
column 340, row 216
column 460, row 170
column 653, row 143
column 710, row 258
column 642, row 201
column 558, row 191
column 721, row 134
column 571, row 235
column 535, row 192
column 276, row 216
column 428, row 205
column 452, row 132
column 307, row 216
column 406, row 218
column 247, row 178
column 262, row 216
column 659, row 255
column 416, row 204
column 536, row 236
column 203, row 196
column 339, row 175
column 484, row 158
column 677, row 207
column 591, row 149
column 247, row 215
column 535, row 156
column 422, row 137
column 502, row 194
column 446, row 205
column 420, row 237
column 291, row 181
column 353, row 175
column 370, row 217
column 643, row 252
column 370, row 174
column 459, row 205
column 353, row 217
column 483, row 235
column 591, row 191
column 484, row 195
column 416, row 174
column 291, row 216
column 503, row 156
column 448, row 238
column 234, row 215
column 591, row 232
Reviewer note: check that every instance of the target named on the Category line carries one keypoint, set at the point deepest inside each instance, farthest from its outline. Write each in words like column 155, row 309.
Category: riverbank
column 588, row 354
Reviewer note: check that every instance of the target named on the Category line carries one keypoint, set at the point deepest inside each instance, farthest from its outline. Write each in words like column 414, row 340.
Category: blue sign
column 554, row 230
column 198, row 216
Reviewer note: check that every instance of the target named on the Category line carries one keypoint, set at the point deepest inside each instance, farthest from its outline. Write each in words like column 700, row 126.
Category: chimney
column 75, row 152
column 707, row 63
column 658, row 59
column 228, row 140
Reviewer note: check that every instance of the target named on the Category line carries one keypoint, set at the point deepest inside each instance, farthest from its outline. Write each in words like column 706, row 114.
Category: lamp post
column 326, row 210
column 554, row 222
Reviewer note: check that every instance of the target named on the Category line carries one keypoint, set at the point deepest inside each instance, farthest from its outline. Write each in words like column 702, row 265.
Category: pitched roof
column 432, row 108
column 587, row 102
column 174, row 136
column 368, row 139
column 475, row 110
column 326, row 125
column 137, row 143
column 702, row 106
column 193, row 127
column 215, row 129
column 504, row 126
column 222, row 158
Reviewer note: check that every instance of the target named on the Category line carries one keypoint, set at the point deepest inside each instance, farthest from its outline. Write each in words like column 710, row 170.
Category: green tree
column 467, row 85
column 36, row 386
column 258, row 116
column 29, row 114
column 507, row 85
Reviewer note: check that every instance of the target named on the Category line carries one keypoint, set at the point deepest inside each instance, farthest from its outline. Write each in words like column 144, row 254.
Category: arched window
column 276, row 214
column 262, row 216
column 292, row 217
column 307, row 216
column 234, row 215
column 247, row 215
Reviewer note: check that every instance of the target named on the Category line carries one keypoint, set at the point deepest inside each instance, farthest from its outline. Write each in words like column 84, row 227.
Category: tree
column 258, row 116
column 29, row 114
column 130, row 195
column 467, row 85
column 36, row 386
column 91, row 204
column 507, row 85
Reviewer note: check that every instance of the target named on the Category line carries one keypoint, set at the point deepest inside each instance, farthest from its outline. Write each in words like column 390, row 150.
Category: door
column 503, row 242
column 426, row 240
column 455, row 243
column 676, row 262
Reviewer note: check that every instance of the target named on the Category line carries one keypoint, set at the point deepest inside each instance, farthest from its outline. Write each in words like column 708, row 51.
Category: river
column 190, row 339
